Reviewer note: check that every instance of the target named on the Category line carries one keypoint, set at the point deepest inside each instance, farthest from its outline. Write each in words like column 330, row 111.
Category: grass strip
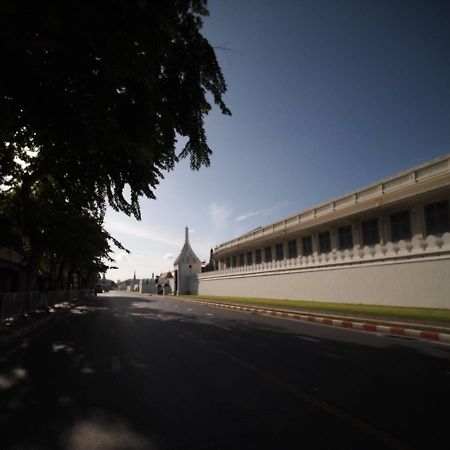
column 398, row 312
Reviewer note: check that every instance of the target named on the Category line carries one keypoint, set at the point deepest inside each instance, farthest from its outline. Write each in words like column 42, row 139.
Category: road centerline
column 320, row 404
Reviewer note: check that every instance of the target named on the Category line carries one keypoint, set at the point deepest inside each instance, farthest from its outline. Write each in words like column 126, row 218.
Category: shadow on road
column 125, row 373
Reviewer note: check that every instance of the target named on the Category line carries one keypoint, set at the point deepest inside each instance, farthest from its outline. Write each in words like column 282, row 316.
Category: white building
column 148, row 285
column 134, row 284
column 187, row 266
column 387, row 243
column 166, row 283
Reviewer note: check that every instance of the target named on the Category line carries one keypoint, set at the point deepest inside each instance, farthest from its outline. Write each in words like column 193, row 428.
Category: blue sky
column 326, row 96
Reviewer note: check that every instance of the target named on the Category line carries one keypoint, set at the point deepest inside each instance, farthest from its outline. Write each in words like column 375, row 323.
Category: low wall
column 147, row 286
column 421, row 282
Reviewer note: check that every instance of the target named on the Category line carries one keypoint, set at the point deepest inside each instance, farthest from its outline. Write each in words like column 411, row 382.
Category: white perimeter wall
column 421, row 282
column 147, row 288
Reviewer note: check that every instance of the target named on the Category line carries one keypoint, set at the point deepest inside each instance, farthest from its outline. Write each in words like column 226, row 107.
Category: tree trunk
column 32, row 268
column 36, row 252
column 60, row 280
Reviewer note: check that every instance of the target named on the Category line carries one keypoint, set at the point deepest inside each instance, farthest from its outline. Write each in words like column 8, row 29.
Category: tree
column 60, row 239
column 94, row 97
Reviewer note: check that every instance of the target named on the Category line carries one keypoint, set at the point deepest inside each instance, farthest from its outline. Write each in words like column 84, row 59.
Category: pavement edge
column 348, row 323
column 8, row 341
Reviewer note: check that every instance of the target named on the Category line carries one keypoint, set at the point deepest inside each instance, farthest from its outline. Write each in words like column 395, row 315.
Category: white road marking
column 305, row 338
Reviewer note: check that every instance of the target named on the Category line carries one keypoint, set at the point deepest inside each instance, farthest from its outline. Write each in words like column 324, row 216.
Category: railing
column 415, row 248
column 419, row 174
column 15, row 304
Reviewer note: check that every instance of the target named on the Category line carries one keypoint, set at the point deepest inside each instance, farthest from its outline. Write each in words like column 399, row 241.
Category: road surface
column 129, row 371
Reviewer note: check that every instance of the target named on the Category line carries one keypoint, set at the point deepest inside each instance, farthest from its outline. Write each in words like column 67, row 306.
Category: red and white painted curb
column 342, row 323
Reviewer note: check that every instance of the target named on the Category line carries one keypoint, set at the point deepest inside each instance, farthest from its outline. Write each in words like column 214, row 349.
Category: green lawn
column 422, row 314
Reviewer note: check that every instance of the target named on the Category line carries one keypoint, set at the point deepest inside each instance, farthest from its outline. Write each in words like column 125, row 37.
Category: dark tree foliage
column 93, row 95
column 59, row 239
column 104, row 87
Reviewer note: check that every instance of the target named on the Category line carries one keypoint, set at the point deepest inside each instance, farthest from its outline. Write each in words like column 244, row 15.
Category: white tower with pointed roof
column 187, row 266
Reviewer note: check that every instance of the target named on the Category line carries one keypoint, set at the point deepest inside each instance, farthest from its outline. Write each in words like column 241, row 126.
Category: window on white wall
column 249, row 258
column 324, row 242
column 345, row 237
column 241, row 259
column 400, row 226
column 370, row 233
column 307, row 246
column 279, row 252
column 292, row 249
column 437, row 217
column 258, row 258
column 268, row 254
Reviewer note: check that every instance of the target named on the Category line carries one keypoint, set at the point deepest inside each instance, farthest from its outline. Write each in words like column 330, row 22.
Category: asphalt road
column 139, row 372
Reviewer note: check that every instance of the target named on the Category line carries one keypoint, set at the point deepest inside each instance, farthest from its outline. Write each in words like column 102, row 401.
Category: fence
column 15, row 304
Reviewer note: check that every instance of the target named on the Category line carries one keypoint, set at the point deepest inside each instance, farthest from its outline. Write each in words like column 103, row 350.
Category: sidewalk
column 426, row 329
column 13, row 329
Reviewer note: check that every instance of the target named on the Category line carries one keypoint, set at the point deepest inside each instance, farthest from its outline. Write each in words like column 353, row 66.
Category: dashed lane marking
column 306, row 338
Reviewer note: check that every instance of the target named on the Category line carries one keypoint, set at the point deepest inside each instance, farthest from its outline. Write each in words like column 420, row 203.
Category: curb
column 340, row 323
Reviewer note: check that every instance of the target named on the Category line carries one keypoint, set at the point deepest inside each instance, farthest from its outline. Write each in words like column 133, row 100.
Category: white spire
column 187, row 255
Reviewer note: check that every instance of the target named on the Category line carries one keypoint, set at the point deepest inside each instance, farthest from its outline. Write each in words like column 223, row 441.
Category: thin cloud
column 261, row 212
column 121, row 256
column 220, row 215
column 249, row 215
column 114, row 226
column 168, row 256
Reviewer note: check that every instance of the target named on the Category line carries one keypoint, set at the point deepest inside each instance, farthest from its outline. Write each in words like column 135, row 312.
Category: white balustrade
column 416, row 247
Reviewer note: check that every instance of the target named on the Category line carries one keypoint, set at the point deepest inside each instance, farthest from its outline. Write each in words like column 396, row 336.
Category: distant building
column 130, row 284
column 134, row 285
column 148, row 285
column 166, row 283
column 106, row 284
column 387, row 243
column 187, row 266
column 123, row 285
column 208, row 267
